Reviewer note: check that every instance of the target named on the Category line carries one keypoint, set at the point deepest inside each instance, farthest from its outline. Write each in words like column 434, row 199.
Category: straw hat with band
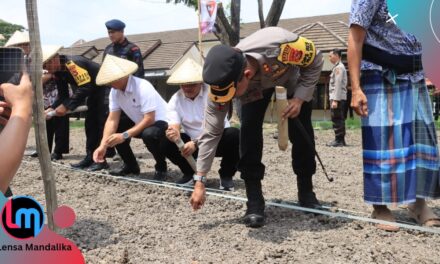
column 49, row 51
column 19, row 37
column 114, row 68
column 189, row 72
column 222, row 70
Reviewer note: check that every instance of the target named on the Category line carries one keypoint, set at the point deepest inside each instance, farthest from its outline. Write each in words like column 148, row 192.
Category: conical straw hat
column 49, row 51
column 19, row 37
column 188, row 73
column 113, row 69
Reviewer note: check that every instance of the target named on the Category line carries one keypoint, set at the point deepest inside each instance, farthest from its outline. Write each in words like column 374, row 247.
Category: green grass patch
column 77, row 123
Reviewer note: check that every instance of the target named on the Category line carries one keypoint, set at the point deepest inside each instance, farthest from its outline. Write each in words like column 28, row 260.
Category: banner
column 208, row 13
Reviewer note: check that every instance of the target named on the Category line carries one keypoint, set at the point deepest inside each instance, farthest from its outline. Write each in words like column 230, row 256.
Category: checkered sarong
column 400, row 153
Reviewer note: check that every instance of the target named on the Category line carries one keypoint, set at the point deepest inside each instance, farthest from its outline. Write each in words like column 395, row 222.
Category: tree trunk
column 276, row 9
column 38, row 112
column 260, row 14
column 228, row 33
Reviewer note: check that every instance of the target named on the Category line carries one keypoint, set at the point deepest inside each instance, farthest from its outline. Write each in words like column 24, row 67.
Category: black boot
column 8, row 192
column 86, row 162
column 336, row 143
column 306, row 196
column 254, row 216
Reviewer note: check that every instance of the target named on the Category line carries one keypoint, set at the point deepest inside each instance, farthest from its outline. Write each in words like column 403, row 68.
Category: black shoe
column 227, row 184
column 187, row 179
column 336, row 143
column 56, row 156
column 8, row 192
column 308, row 200
column 98, row 166
column 254, row 216
column 160, row 176
column 34, row 154
column 86, row 162
column 125, row 170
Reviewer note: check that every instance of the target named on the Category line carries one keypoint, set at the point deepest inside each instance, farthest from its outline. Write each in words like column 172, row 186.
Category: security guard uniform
column 81, row 73
column 338, row 92
column 284, row 59
column 129, row 51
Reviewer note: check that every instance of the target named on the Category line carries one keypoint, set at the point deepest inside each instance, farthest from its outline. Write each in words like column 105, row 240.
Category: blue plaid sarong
column 400, row 153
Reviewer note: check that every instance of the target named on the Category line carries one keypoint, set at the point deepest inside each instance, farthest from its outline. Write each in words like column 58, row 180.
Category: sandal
column 424, row 217
column 385, row 215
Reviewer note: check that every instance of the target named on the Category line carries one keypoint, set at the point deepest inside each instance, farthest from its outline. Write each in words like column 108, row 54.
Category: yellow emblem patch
column 80, row 75
column 301, row 52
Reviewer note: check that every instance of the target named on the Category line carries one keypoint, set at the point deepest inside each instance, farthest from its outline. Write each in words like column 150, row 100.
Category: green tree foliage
column 7, row 29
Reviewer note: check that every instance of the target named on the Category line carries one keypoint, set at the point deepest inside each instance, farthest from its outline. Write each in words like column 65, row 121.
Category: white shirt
column 189, row 114
column 138, row 99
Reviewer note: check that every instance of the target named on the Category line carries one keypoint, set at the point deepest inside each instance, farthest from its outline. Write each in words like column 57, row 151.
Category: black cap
column 115, row 24
column 222, row 69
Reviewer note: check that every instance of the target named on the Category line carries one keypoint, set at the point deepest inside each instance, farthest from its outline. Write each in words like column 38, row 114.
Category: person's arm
column 309, row 77
column 212, row 132
column 356, row 40
column 338, row 79
column 136, row 57
column 111, row 126
column 14, row 136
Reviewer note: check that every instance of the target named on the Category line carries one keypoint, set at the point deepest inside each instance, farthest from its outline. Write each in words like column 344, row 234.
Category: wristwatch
column 125, row 135
column 199, row 178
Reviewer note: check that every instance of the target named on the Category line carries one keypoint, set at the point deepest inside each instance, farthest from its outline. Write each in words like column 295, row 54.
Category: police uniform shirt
column 188, row 113
column 338, row 82
column 280, row 63
column 129, row 51
column 138, row 99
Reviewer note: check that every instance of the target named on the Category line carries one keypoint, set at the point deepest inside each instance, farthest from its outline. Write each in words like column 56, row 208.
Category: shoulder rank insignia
column 300, row 52
column 80, row 75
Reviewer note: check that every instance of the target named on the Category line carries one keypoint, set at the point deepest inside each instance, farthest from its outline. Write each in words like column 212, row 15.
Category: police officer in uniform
column 121, row 47
column 338, row 98
column 269, row 57
column 81, row 73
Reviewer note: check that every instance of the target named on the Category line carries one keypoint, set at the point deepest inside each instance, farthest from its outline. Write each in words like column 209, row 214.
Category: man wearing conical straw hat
column 19, row 39
column 146, row 111
column 186, row 110
column 80, row 73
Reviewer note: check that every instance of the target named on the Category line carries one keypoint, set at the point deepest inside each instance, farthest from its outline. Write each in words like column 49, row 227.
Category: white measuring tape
column 221, row 194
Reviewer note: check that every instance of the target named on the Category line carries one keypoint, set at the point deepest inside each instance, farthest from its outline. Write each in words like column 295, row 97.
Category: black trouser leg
column 152, row 136
column 228, row 149
column 173, row 154
column 303, row 156
column 124, row 148
column 251, row 138
column 62, row 135
column 339, row 121
column 50, row 130
column 95, row 119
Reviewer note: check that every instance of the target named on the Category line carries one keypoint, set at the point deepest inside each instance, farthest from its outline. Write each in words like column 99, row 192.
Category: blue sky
column 65, row 21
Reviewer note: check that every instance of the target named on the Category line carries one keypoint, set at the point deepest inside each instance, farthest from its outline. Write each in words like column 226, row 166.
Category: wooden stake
column 36, row 71
column 200, row 32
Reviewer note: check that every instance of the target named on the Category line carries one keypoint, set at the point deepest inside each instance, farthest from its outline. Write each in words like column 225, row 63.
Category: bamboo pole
column 36, row 70
column 200, row 31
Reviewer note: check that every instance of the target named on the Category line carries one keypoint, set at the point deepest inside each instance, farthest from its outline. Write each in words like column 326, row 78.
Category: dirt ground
column 123, row 222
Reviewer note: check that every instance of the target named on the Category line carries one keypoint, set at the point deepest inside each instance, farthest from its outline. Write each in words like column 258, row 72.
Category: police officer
column 81, row 73
column 121, row 47
column 269, row 57
column 338, row 98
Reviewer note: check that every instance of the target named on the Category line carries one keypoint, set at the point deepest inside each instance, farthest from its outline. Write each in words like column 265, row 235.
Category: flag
column 208, row 14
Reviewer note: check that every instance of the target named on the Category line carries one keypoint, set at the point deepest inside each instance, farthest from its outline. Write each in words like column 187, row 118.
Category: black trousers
column 227, row 149
column 251, row 141
column 338, row 120
column 151, row 136
column 348, row 109
column 95, row 119
column 58, row 128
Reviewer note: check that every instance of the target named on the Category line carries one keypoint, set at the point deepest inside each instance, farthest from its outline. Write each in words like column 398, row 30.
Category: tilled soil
column 125, row 222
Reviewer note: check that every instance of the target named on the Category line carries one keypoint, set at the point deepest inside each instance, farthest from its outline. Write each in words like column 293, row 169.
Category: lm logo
column 22, row 217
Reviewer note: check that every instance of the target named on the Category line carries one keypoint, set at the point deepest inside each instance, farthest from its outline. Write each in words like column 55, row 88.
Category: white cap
column 114, row 68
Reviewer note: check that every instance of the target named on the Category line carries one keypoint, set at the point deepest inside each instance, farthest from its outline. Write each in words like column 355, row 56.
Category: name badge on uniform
column 300, row 52
column 80, row 75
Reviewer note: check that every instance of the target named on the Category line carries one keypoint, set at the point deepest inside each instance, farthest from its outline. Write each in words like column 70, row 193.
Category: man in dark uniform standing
column 81, row 73
column 269, row 57
column 122, row 48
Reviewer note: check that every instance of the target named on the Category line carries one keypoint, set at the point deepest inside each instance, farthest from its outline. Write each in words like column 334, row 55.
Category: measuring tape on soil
column 221, row 194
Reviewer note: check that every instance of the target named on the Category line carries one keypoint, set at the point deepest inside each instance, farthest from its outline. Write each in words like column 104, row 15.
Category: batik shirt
column 383, row 33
